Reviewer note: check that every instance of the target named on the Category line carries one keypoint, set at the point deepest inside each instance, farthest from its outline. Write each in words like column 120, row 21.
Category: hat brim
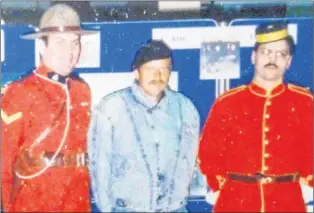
column 40, row 34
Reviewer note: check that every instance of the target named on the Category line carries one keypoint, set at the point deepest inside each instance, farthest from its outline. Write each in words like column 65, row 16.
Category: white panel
column 221, row 86
column 246, row 34
column 178, row 5
column 90, row 55
column 192, row 37
column 2, row 46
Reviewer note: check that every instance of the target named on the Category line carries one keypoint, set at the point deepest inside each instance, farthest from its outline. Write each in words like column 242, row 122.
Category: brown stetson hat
column 58, row 18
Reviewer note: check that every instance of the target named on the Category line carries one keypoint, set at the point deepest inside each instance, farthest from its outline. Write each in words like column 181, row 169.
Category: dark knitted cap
column 152, row 50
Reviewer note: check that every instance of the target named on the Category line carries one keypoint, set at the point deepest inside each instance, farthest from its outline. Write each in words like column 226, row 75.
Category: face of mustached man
column 271, row 60
column 154, row 76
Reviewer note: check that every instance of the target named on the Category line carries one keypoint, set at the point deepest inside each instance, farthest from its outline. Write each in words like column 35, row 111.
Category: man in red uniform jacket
column 257, row 143
column 45, row 117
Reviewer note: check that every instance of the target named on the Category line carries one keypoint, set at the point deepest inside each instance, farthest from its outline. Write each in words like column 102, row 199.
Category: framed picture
column 220, row 60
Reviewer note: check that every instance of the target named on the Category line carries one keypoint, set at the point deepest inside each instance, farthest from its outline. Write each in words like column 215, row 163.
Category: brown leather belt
column 26, row 164
column 62, row 160
column 67, row 160
column 259, row 177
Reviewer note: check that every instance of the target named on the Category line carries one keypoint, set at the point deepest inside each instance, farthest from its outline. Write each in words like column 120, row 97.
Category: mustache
column 154, row 82
column 271, row 65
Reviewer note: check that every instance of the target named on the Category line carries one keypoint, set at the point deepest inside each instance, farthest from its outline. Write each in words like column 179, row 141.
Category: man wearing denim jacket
column 143, row 140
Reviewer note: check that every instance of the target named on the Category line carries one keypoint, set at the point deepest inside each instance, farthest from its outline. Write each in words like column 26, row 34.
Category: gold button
column 267, row 116
column 265, row 168
column 266, row 155
column 268, row 103
column 266, row 129
column 268, row 180
column 266, row 141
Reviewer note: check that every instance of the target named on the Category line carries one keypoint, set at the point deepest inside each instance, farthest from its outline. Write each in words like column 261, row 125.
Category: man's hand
column 307, row 192
column 211, row 197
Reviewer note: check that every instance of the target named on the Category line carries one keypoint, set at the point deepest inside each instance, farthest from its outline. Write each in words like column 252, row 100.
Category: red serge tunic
column 28, row 107
column 250, row 131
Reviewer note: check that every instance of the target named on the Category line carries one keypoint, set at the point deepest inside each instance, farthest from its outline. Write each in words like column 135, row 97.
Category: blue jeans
column 124, row 209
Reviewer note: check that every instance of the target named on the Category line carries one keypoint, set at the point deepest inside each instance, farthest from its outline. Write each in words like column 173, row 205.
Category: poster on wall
column 220, row 60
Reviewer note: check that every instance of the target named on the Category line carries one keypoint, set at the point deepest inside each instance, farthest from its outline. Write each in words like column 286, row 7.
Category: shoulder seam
column 9, row 86
column 300, row 90
column 3, row 89
column 232, row 92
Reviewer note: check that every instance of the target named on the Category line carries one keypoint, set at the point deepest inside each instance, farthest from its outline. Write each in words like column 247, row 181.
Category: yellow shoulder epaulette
column 4, row 88
column 300, row 90
column 13, row 81
column 231, row 92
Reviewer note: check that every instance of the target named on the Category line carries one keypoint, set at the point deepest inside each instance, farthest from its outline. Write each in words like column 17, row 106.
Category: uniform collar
column 46, row 72
column 257, row 90
column 143, row 99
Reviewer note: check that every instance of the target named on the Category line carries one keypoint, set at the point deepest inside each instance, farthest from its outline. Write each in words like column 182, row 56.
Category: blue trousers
column 123, row 209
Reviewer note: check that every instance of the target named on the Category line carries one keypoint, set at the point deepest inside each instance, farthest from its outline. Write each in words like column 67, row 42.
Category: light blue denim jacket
column 142, row 156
